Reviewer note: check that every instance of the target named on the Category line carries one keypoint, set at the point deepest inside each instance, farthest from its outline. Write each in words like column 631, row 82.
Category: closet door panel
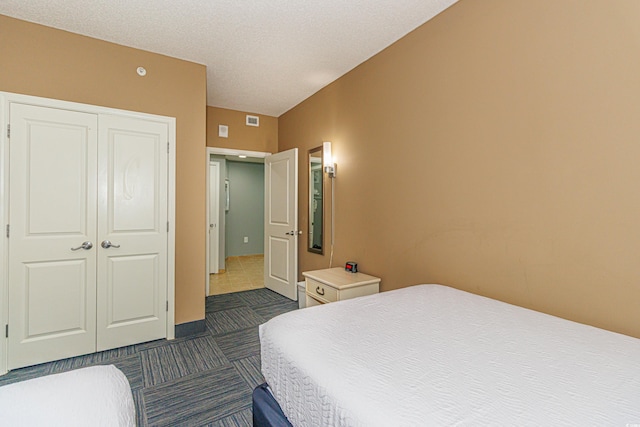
column 52, row 211
column 132, row 302
column 132, row 228
column 134, row 170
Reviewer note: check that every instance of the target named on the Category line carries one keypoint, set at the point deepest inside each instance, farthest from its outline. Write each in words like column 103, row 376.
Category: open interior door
column 214, row 214
column 281, row 223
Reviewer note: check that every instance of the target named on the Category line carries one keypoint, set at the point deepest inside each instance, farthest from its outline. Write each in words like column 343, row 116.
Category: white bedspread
column 95, row 396
column 433, row 355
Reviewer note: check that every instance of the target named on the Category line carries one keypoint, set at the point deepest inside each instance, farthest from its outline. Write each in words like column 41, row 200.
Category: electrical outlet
column 246, row 239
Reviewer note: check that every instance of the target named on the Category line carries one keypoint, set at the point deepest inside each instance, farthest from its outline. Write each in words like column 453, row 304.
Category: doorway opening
column 235, row 220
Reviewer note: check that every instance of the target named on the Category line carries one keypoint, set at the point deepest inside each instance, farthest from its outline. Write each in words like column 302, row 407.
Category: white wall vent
column 253, row 120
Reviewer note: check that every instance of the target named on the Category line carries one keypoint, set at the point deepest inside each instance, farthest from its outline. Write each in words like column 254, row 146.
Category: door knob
column 107, row 244
column 85, row 245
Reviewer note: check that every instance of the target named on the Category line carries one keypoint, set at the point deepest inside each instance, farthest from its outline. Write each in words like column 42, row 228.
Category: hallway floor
column 243, row 273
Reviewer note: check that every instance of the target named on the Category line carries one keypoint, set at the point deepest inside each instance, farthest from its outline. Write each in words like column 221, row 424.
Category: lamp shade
column 327, row 158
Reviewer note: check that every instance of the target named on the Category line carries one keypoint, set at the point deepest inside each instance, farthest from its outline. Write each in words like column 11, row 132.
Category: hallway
column 243, row 273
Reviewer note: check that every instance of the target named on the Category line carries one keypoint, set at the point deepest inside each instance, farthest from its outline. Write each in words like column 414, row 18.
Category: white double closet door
column 88, row 233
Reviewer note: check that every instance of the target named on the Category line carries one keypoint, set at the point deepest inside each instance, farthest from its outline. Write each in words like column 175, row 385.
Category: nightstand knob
column 318, row 291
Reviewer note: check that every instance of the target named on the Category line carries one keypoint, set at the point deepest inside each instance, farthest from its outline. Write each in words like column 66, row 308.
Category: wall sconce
column 327, row 160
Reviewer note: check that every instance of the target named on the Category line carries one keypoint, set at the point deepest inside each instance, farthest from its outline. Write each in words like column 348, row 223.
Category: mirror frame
column 315, row 152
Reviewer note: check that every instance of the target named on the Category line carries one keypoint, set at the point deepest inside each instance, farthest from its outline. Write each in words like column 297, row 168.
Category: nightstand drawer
column 320, row 291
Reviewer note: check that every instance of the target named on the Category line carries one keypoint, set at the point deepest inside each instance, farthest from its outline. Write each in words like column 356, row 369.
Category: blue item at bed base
column 266, row 411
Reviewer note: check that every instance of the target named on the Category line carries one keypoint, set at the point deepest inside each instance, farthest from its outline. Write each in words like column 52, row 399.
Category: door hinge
column 167, row 307
column 7, row 230
column 6, row 331
column 167, row 148
column 9, row 131
column 167, row 226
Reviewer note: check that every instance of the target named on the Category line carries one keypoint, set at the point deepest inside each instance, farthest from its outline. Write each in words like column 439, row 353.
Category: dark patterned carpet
column 201, row 380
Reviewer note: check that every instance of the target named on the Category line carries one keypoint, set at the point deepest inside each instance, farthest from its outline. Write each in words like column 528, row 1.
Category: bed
column 94, row 396
column 434, row 355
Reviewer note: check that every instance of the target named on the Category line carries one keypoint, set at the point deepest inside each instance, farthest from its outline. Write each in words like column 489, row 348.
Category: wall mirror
column 316, row 202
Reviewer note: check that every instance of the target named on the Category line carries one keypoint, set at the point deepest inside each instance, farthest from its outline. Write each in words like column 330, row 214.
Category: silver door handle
column 293, row 233
column 85, row 245
column 107, row 244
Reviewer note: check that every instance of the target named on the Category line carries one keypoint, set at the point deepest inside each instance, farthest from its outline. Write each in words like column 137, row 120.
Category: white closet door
column 132, row 216
column 52, row 209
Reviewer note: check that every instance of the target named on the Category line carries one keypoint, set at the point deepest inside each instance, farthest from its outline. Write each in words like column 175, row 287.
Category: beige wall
column 50, row 63
column 242, row 137
column 494, row 149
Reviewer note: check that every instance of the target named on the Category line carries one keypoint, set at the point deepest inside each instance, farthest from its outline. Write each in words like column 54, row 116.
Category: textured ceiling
column 262, row 56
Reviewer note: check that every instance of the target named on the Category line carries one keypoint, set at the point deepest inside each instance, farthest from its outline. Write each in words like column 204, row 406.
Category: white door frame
column 4, row 216
column 5, row 99
column 221, row 152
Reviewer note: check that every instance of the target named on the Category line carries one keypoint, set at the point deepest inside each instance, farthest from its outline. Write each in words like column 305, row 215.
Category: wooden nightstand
column 336, row 284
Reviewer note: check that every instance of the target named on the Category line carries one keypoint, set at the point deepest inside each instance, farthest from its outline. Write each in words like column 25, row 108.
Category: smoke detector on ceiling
column 253, row 120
